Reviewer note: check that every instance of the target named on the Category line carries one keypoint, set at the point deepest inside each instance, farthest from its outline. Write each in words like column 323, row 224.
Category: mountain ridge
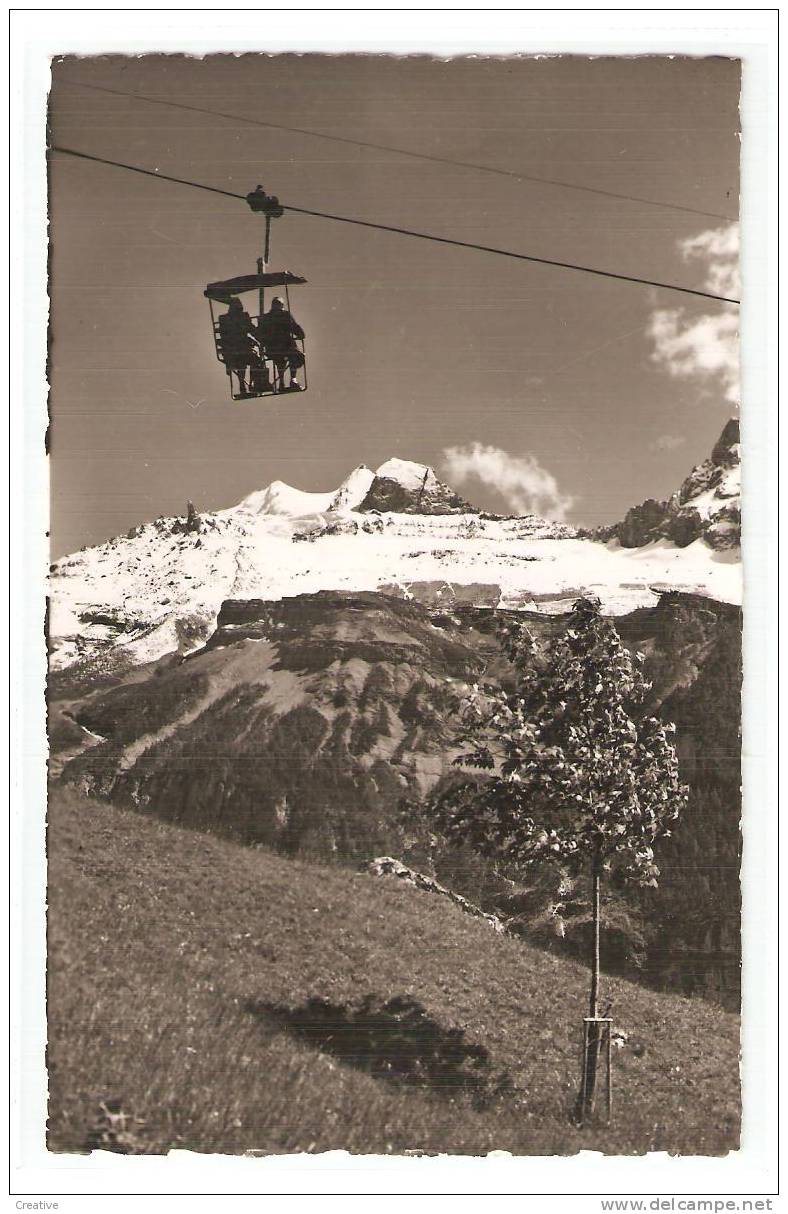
column 159, row 589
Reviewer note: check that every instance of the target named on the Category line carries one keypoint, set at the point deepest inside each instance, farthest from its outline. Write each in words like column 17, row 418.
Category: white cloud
column 525, row 485
column 719, row 248
column 704, row 347
column 668, row 442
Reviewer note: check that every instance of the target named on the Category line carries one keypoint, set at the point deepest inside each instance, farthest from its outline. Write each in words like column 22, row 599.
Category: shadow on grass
column 395, row 1041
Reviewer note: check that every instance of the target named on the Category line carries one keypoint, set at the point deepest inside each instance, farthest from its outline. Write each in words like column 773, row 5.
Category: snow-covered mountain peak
column 405, row 472
column 353, row 489
column 398, row 485
column 402, row 486
column 285, row 500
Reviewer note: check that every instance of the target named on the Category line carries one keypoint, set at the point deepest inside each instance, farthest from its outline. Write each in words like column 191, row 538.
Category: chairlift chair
column 250, row 382
column 260, row 376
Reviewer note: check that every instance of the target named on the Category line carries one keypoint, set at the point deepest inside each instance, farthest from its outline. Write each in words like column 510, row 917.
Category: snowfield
column 159, row 588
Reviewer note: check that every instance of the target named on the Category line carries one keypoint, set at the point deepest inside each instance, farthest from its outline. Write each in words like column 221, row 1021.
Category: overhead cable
column 515, row 174
column 384, row 227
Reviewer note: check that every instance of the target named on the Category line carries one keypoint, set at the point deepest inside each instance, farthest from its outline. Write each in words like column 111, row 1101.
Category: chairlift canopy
column 223, row 292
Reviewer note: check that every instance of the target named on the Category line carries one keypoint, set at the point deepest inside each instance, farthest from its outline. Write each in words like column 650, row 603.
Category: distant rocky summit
column 409, row 488
column 707, row 506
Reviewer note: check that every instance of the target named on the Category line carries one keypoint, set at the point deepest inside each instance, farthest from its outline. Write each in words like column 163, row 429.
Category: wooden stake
column 609, row 1100
column 597, row 1035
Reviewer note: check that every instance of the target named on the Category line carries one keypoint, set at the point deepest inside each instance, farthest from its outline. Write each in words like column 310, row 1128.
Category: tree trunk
column 593, row 1004
column 593, row 1040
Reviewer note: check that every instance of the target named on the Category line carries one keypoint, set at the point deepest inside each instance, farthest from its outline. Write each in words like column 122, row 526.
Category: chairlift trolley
column 253, row 371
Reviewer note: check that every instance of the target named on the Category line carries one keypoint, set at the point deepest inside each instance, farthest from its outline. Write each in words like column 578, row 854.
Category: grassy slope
column 160, row 939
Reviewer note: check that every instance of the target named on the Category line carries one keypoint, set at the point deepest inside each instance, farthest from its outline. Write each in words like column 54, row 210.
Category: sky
column 527, row 387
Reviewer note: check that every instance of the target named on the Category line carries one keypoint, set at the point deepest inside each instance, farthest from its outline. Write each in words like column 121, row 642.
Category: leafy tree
column 578, row 773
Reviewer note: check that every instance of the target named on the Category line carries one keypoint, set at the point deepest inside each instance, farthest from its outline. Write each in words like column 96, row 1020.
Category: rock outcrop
column 707, row 506
column 386, row 866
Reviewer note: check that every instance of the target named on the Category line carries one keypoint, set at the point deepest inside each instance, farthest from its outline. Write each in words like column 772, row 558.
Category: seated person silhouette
column 277, row 333
column 238, row 337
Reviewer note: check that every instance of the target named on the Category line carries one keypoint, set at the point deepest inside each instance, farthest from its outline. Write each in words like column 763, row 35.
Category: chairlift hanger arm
column 267, row 204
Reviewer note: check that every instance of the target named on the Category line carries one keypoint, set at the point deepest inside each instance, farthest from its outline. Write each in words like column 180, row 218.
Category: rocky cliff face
column 707, row 506
column 693, row 653
column 303, row 724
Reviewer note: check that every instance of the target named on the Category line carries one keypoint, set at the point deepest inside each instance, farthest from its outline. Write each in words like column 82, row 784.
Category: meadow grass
column 166, row 946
